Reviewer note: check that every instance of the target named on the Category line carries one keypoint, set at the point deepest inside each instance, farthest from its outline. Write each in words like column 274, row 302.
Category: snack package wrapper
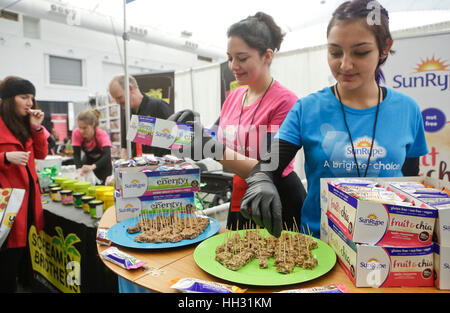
column 121, row 258
column 156, row 132
column 193, row 285
column 102, row 236
column 337, row 288
column 10, row 203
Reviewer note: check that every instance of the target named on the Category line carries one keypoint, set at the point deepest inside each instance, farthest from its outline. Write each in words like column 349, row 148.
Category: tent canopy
column 304, row 21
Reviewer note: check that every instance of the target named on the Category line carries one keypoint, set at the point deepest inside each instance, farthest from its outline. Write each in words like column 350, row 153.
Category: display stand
column 110, row 121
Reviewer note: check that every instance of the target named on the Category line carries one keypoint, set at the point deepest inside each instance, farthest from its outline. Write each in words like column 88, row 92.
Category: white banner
column 420, row 68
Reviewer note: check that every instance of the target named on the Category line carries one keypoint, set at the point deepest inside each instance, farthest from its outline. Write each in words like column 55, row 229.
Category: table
column 166, row 265
column 64, row 255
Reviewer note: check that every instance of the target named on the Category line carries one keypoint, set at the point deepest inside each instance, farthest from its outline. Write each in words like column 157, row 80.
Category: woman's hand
column 36, row 118
column 87, row 168
column 109, row 180
column 262, row 203
column 18, row 157
column 202, row 144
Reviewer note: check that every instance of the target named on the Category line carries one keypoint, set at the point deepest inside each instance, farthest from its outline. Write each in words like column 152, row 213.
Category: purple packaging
column 194, row 285
column 157, row 132
column 334, row 288
column 121, row 258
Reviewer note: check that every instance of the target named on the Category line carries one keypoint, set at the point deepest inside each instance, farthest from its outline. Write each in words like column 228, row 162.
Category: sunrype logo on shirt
column 362, row 149
column 428, row 74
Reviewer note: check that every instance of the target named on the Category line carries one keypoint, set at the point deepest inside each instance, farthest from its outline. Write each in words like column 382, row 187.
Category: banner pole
column 126, row 79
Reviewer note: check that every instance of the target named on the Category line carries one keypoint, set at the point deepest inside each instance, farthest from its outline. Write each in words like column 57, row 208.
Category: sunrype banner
column 420, row 68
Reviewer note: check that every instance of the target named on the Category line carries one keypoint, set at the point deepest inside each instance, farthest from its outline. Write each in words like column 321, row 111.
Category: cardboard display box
column 376, row 266
column 378, row 223
column 442, row 266
column 144, row 181
column 442, row 227
column 157, row 132
column 132, row 207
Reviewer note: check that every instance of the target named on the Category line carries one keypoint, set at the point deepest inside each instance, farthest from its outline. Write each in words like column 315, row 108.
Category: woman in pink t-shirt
column 94, row 142
column 251, row 115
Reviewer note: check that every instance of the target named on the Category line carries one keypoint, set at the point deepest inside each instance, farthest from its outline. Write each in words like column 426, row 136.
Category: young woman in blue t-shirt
column 353, row 129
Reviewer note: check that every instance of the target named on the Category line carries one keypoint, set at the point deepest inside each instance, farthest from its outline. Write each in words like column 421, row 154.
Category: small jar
column 96, row 208
column 86, row 200
column 82, row 186
column 108, row 198
column 66, row 197
column 91, row 190
column 77, row 199
column 59, row 179
column 68, row 184
column 55, row 194
column 47, row 188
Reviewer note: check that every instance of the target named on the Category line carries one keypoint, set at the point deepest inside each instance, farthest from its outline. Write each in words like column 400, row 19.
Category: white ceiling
column 303, row 20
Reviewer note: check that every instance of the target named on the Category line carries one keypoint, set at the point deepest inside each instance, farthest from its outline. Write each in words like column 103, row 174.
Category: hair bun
column 259, row 31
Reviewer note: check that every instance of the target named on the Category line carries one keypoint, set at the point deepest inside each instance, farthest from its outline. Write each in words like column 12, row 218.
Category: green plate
column 251, row 274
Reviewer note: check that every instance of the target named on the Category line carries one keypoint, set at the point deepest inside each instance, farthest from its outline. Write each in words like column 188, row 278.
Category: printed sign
column 56, row 258
column 420, row 68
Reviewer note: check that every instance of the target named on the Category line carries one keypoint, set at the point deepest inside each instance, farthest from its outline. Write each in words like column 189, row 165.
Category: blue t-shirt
column 316, row 123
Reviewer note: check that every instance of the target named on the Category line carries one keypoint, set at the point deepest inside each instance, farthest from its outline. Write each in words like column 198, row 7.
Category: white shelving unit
column 110, row 121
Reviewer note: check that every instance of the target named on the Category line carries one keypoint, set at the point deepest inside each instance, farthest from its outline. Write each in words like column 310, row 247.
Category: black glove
column 262, row 204
column 202, row 144
column 184, row 116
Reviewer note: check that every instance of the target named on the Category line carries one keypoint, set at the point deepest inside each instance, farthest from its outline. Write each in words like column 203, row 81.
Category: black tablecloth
column 64, row 256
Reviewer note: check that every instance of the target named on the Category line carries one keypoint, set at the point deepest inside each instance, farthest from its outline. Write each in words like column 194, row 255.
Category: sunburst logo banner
column 432, row 64
column 420, row 68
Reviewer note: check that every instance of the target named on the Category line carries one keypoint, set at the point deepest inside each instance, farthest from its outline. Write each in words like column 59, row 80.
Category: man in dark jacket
column 140, row 104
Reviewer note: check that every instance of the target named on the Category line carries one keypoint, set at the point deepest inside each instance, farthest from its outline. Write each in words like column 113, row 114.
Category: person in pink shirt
column 250, row 117
column 94, row 142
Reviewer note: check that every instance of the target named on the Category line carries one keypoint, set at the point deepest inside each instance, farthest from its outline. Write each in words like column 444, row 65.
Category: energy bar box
column 442, row 266
column 132, row 207
column 380, row 223
column 382, row 266
column 137, row 182
column 152, row 131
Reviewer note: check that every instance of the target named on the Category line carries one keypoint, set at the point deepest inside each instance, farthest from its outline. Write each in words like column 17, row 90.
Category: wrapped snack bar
column 334, row 288
column 193, row 285
column 121, row 258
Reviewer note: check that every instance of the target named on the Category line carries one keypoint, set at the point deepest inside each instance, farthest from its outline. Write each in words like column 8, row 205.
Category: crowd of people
column 266, row 189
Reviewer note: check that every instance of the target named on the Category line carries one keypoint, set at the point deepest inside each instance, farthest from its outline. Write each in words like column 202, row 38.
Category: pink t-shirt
column 234, row 127
column 101, row 136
